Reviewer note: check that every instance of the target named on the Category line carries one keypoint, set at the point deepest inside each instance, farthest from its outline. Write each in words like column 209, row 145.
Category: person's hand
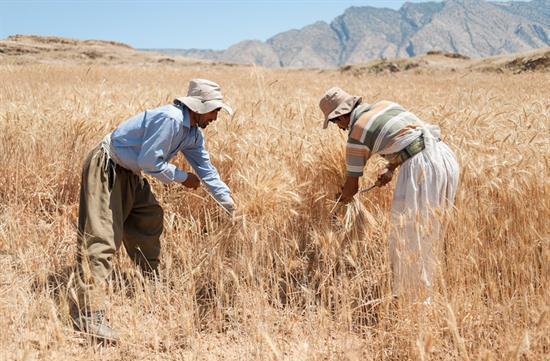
column 340, row 198
column 384, row 178
column 228, row 205
column 237, row 217
column 346, row 199
column 192, row 181
column 350, row 188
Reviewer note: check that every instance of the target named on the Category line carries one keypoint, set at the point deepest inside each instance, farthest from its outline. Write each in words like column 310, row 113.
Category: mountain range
column 475, row 28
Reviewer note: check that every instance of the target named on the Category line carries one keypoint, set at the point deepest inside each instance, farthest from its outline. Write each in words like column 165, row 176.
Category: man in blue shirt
column 116, row 203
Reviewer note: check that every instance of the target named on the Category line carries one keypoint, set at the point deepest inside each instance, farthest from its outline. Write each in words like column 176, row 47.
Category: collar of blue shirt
column 186, row 120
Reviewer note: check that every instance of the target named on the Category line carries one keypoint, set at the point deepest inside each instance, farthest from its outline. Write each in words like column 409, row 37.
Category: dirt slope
column 438, row 61
column 23, row 49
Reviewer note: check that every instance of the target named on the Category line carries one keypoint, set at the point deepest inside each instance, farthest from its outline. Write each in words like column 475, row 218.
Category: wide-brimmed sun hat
column 204, row 96
column 336, row 102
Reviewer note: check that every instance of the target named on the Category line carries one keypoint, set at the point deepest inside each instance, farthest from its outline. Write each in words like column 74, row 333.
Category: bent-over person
column 117, row 205
column 426, row 185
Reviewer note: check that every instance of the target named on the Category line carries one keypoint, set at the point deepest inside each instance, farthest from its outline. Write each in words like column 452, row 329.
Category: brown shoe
column 94, row 324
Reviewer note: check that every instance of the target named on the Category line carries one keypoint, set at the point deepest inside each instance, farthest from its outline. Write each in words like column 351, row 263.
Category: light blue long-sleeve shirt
column 149, row 140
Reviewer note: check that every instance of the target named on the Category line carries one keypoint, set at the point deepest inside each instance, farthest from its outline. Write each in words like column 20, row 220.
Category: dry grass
column 284, row 284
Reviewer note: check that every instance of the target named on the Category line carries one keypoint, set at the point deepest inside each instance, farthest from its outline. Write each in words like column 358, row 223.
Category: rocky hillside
column 475, row 28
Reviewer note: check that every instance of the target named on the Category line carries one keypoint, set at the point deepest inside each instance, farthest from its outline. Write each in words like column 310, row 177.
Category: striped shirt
column 378, row 128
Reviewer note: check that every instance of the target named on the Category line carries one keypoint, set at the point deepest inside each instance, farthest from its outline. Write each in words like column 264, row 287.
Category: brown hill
column 440, row 61
column 536, row 60
column 21, row 49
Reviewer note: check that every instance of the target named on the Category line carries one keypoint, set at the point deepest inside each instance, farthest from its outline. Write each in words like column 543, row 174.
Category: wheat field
column 284, row 284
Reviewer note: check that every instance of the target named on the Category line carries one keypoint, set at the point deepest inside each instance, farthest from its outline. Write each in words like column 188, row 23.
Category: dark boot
column 94, row 324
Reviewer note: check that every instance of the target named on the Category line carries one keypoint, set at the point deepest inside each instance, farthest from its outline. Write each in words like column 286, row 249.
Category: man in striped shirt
column 426, row 184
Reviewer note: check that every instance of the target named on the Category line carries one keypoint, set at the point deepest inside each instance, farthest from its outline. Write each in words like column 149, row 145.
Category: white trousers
column 425, row 191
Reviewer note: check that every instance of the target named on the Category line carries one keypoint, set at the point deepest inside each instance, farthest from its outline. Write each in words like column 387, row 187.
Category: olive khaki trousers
column 116, row 207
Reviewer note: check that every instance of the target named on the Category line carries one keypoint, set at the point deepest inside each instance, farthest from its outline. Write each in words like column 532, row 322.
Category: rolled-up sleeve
column 357, row 155
column 199, row 159
column 157, row 142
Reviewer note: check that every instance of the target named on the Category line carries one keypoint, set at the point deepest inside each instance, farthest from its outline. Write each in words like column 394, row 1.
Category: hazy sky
column 208, row 24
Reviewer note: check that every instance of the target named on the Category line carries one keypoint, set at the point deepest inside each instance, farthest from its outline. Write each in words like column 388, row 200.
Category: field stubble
column 284, row 284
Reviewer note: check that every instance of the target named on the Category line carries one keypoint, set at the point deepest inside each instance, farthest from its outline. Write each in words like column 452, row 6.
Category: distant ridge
column 33, row 49
column 475, row 28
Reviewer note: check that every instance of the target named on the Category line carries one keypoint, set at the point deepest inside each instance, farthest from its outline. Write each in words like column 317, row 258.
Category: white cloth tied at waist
column 107, row 147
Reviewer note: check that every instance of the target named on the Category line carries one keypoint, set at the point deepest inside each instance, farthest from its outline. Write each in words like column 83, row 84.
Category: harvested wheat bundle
column 356, row 219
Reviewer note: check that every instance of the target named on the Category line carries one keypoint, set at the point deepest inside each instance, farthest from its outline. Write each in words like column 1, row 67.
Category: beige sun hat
column 337, row 102
column 204, row 96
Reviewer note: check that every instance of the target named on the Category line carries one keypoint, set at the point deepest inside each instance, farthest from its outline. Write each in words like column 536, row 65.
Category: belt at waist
column 408, row 152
